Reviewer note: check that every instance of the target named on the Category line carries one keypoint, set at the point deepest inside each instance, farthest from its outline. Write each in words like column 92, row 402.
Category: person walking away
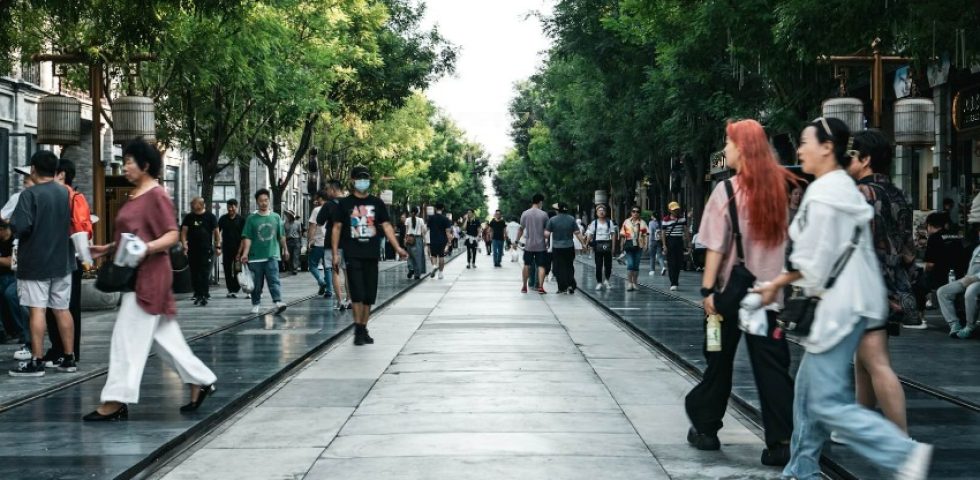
column 314, row 246
column 832, row 221
column 440, row 230
column 324, row 218
column 81, row 221
column 263, row 238
column 498, row 233
column 197, row 231
column 633, row 237
column 230, row 226
column 891, row 230
column 415, row 233
column 472, row 237
column 533, row 221
column 45, row 261
column 757, row 198
column 515, row 242
column 148, row 314
column 294, row 239
column 561, row 230
column 676, row 238
column 656, row 246
column 8, row 290
column 600, row 236
column 366, row 219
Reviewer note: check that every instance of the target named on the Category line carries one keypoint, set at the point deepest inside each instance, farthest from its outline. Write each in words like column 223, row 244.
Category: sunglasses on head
column 634, row 211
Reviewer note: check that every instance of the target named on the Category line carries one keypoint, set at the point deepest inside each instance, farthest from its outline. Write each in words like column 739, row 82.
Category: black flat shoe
column 702, row 441
column 201, row 395
column 122, row 413
column 777, row 456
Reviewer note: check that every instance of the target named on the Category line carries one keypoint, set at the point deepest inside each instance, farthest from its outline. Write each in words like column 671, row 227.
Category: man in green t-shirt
column 263, row 244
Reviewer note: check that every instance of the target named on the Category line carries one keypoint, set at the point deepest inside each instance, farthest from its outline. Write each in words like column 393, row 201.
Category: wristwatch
column 707, row 292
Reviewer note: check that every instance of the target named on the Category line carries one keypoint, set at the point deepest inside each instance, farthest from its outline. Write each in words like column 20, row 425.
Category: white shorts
column 53, row 293
column 328, row 258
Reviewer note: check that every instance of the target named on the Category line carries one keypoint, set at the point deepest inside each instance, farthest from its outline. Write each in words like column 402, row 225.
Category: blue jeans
column 657, row 256
column 8, row 287
column 498, row 251
column 314, row 260
column 633, row 259
column 262, row 271
column 825, row 402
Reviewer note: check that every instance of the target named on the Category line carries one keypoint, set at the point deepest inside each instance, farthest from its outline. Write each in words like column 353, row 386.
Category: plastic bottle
column 952, row 276
column 714, row 333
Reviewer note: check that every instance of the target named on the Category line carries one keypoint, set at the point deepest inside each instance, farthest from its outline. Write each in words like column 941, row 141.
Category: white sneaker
column 651, row 273
column 440, row 275
column 23, row 354
column 663, row 271
column 630, row 288
column 916, row 466
column 598, row 287
column 607, row 285
column 673, row 288
column 280, row 307
column 256, row 308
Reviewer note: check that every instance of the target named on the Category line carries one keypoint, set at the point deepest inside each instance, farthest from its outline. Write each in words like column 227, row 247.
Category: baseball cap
column 360, row 171
column 673, row 206
column 560, row 206
column 23, row 170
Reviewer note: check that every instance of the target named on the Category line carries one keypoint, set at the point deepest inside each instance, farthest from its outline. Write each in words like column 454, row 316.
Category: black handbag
column 800, row 310
column 113, row 278
column 740, row 280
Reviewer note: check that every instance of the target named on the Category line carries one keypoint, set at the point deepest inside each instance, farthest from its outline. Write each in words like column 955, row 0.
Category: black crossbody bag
column 800, row 310
column 741, row 280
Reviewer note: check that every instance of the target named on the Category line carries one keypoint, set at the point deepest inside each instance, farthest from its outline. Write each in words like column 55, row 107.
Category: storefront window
column 171, row 181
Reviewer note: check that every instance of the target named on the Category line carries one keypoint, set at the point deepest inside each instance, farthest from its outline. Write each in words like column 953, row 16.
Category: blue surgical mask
column 362, row 185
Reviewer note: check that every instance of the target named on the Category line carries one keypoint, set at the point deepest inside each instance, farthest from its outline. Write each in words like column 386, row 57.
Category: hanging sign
column 966, row 109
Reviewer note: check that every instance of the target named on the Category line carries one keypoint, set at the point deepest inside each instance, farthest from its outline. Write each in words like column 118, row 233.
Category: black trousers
column 675, row 260
column 75, row 308
column 199, row 262
column 603, row 265
column 770, row 359
column 228, row 264
column 471, row 250
column 563, row 263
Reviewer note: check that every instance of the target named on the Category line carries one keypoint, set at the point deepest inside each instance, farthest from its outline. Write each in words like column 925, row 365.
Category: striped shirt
column 674, row 227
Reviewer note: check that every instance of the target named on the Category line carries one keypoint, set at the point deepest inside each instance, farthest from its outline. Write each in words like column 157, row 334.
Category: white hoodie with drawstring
column 820, row 232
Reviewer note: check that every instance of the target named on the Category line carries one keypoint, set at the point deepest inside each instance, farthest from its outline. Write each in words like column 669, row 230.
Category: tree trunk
column 275, row 188
column 244, row 187
column 208, row 174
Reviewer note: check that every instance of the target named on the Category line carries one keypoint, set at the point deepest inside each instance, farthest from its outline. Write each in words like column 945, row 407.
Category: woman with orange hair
column 757, row 197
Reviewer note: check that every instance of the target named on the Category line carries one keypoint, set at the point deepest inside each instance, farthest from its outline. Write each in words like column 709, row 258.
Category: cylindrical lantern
column 915, row 121
column 387, row 196
column 132, row 118
column 846, row 109
column 59, row 120
column 601, row 196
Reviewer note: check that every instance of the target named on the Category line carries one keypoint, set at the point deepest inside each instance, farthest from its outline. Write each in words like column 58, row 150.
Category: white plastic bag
column 245, row 279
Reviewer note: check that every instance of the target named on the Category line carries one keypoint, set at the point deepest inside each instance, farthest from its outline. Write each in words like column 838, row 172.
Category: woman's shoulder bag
column 740, row 280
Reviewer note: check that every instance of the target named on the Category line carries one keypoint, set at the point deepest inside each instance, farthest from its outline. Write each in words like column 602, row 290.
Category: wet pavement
column 471, row 379
column 675, row 321
column 45, row 438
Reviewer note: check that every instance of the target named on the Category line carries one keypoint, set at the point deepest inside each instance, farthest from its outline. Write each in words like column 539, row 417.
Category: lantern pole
column 877, row 62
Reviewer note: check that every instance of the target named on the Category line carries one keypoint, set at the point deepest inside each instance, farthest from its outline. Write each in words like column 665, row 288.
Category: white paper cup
column 80, row 240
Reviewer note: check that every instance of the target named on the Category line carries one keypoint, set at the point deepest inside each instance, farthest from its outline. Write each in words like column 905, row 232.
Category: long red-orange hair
column 763, row 183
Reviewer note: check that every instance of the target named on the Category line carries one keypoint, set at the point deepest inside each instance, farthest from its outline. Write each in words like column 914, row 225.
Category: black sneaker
column 358, row 335
column 204, row 302
column 231, row 295
column 68, row 364
column 28, row 368
column 703, row 441
column 777, row 456
column 327, row 295
column 322, row 290
column 367, row 337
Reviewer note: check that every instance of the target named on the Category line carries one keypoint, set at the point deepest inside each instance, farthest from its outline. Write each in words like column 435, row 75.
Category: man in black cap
column 361, row 219
column 560, row 229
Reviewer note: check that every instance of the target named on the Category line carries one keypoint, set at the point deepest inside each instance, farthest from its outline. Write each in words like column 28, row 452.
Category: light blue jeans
column 657, row 256
column 265, row 271
column 498, row 251
column 825, row 402
column 313, row 264
column 947, row 302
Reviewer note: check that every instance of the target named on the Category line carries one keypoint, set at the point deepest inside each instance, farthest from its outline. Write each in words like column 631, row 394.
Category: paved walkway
column 471, row 379
column 194, row 322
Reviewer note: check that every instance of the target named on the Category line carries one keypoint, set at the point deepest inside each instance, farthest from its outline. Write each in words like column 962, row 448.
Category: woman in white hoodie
column 833, row 210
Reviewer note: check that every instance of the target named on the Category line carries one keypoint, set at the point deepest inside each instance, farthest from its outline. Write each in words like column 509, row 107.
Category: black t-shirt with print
column 364, row 218
column 473, row 228
column 200, row 230
column 498, row 227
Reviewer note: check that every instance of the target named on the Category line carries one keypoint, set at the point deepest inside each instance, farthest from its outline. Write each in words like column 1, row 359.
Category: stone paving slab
column 466, row 401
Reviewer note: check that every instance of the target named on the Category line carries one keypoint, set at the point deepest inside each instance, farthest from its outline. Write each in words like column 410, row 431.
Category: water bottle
column 713, row 333
column 952, row 276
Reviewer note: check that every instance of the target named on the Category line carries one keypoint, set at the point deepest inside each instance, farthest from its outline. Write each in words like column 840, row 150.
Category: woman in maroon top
column 147, row 315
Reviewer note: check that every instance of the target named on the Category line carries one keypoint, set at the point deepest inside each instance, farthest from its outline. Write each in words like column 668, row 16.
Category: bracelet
column 707, row 292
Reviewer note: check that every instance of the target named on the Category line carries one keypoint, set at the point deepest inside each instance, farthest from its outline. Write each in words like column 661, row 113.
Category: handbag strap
column 733, row 214
column 844, row 258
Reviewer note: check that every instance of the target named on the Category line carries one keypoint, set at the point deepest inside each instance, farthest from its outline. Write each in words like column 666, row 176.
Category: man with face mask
column 361, row 220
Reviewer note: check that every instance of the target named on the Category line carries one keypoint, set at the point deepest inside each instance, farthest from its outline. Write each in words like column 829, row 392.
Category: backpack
column 81, row 215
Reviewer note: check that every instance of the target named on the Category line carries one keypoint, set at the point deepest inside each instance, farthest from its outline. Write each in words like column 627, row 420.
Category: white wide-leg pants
column 133, row 335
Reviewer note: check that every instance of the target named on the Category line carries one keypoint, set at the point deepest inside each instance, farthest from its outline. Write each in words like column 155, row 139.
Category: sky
column 500, row 44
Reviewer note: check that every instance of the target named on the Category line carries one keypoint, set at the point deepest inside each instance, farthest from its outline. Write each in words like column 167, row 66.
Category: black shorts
column 437, row 249
column 538, row 258
column 362, row 280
